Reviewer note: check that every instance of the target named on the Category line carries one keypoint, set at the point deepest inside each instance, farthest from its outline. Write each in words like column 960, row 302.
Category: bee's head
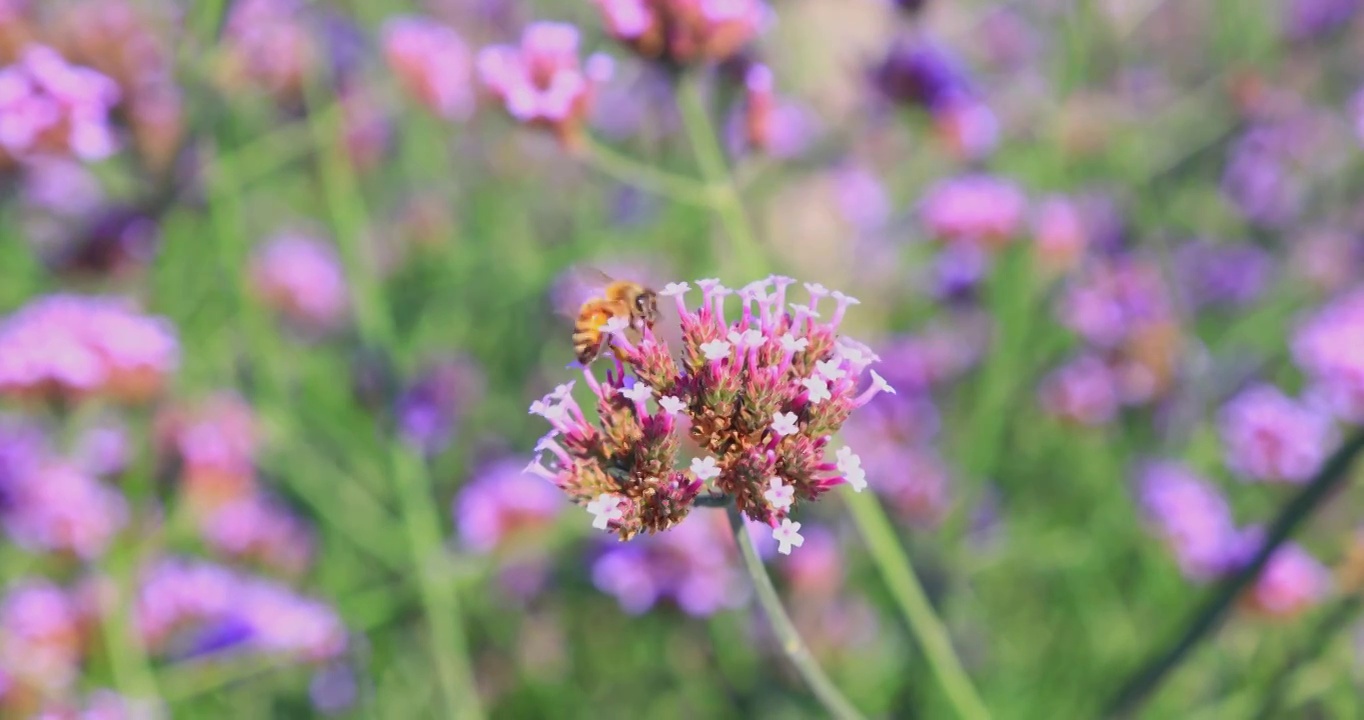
column 646, row 307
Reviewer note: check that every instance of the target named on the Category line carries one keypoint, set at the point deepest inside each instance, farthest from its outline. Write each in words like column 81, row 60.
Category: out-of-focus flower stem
column 791, row 642
column 645, row 177
column 1150, row 675
column 924, row 624
column 725, row 200
column 132, row 671
column 409, row 474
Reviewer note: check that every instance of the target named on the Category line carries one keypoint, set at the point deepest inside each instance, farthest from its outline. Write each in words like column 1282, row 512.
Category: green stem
column 725, row 200
column 132, row 670
column 791, row 642
column 924, row 624
column 419, row 514
column 646, row 177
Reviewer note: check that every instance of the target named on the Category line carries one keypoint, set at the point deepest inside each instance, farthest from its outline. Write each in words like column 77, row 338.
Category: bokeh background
column 279, row 280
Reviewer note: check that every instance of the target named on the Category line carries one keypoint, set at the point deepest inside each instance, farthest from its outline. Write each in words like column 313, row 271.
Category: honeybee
column 619, row 298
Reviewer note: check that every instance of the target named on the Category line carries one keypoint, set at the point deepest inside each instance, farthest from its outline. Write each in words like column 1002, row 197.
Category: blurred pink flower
column 301, row 277
column 682, row 32
column 41, row 642
column 1292, row 580
column 502, row 501
column 73, row 346
column 266, row 43
column 1329, row 347
column 1060, row 234
column 48, row 106
column 433, row 64
column 975, row 209
column 62, row 509
column 763, row 122
column 1269, row 436
column 541, row 82
column 1083, row 390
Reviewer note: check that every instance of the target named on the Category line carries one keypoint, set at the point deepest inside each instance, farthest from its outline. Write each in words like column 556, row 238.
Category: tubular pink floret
column 843, row 302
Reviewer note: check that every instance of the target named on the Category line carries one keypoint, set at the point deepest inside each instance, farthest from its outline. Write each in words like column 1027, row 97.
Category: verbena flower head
column 501, row 502
column 764, row 389
column 975, row 209
column 1271, row 437
column 60, row 508
column 41, row 637
column 1084, row 390
column 1329, row 347
column 683, row 32
column 1222, row 275
column 1291, row 582
column 1192, row 517
column 68, row 347
column 301, row 276
column 433, row 63
column 268, row 44
column 429, row 410
column 50, row 107
column 541, row 81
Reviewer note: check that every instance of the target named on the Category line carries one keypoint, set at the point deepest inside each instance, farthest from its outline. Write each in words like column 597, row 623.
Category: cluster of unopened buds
column 761, row 397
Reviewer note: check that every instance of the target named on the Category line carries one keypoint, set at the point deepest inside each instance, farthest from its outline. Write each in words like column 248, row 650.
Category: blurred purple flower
column 1212, row 274
column 958, row 271
column 61, row 187
column 433, row 63
column 862, row 198
column 762, row 122
column 1192, row 517
column 73, row 346
column 1304, row 20
column 691, row 564
column 429, row 410
column 50, row 106
column 301, row 276
column 267, row 43
column 682, row 32
column 40, row 637
column 501, row 501
column 974, row 209
column 819, row 569
column 1259, row 180
column 60, row 508
column 920, row 72
column 1061, row 234
column 334, row 689
column 102, row 451
column 177, row 594
column 1109, row 300
column 1083, row 390
column 259, row 528
column 1329, row 347
column 1270, row 437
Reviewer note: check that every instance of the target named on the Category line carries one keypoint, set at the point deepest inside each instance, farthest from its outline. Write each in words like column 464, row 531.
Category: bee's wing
column 576, row 285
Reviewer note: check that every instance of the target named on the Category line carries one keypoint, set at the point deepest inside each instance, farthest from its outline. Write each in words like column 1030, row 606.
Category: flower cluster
column 1272, row 437
column 1195, row 521
column 975, row 210
column 268, row 45
column 541, row 82
column 922, row 74
column 683, row 32
column 189, row 607
column 693, row 566
column 761, row 395
column 213, row 446
column 68, row 347
column 433, row 63
column 50, row 107
column 301, row 276
column 42, row 641
column 1329, row 347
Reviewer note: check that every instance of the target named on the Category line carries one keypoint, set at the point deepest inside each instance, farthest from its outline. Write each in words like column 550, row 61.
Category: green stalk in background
column 924, row 624
column 412, row 481
column 791, row 642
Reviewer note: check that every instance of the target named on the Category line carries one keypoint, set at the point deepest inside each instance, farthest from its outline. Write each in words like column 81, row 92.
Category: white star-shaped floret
column 615, row 325
column 707, row 283
column 543, row 443
column 850, row 466
column 804, row 311
column 881, row 383
column 672, row 289
column 817, row 388
column 746, row 339
column 845, row 299
column 780, row 495
column 791, row 343
column 787, row 536
column 784, row 423
column 639, row 392
column 830, row 370
column 715, row 350
column 671, row 405
column 705, row 468
column 605, row 509
column 781, row 280
column 816, row 290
